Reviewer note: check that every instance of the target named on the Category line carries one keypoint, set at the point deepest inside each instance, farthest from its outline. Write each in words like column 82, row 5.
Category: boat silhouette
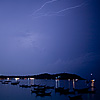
column 75, row 97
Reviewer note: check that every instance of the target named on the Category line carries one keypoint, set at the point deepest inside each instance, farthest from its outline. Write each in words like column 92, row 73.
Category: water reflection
column 7, row 79
column 31, row 81
column 92, row 89
column 4, row 90
column 69, row 83
column 92, row 83
column 57, row 83
column 73, row 84
column 17, row 79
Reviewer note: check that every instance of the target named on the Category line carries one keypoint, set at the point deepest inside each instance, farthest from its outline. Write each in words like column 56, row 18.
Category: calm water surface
column 14, row 92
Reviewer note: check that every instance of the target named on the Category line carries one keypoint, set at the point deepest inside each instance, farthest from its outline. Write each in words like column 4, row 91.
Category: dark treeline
column 47, row 76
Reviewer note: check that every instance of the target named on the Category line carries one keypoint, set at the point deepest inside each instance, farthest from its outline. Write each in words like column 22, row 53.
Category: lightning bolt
column 70, row 8
column 58, row 13
column 44, row 5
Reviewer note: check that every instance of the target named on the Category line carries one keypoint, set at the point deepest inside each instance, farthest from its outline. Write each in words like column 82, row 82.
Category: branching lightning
column 44, row 5
column 69, row 8
column 58, row 13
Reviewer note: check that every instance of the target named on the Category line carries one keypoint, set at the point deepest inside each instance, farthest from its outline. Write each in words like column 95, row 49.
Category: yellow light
column 7, row 78
column 73, row 83
column 57, row 80
column 93, row 80
column 16, row 79
column 31, row 78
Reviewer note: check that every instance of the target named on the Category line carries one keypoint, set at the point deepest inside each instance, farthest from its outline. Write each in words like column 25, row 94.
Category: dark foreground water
column 14, row 92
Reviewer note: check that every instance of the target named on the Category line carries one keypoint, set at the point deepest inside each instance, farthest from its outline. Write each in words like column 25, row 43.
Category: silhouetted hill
column 62, row 76
column 59, row 76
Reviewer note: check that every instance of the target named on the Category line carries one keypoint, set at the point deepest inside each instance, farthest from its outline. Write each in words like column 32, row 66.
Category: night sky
column 38, row 36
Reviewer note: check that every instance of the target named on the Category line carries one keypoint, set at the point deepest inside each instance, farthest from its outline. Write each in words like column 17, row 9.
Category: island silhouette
column 62, row 76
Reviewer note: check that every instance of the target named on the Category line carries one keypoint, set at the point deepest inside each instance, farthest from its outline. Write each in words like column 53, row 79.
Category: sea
column 15, row 92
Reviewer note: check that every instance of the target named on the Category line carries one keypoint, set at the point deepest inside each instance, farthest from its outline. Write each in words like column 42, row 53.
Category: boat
column 83, row 90
column 64, row 91
column 94, row 91
column 25, row 86
column 76, row 97
column 39, row 88
column 71, row 92
column 8, row 81
column 34, row 91
column 37, row 91
column 4, row 82
column 49, row 87
column 14, row 83
column 59, row 89
column 42, row 86
column 43, row 94
column 35, row 85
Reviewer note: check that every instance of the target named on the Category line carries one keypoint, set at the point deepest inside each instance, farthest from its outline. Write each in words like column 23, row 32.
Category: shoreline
column 61, row 76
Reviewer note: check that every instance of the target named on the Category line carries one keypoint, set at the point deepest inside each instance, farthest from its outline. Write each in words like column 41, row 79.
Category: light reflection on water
column 14, row 92
column 73, row 84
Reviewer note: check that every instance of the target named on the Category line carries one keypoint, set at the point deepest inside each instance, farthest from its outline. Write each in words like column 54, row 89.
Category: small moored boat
column 39, row 88
column 49, row 87
column 43, row 94
column 14, row 83
column 76, row 97
column 25, row 86
column 35, row 85
column 83, row 90
column 59, row 89
column 4, row 82
column 37, row 91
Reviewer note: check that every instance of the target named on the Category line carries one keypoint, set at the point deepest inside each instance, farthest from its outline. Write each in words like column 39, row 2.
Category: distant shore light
column 7, row 78
column 68, row 79
column 56, row 79
column 17, row 79
column 76, row 79
column 93, row 80
column 31, row 78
